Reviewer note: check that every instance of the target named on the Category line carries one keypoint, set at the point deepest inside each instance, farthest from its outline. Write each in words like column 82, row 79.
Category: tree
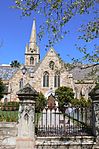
column 58, row 13
column 2, row 88
column 40, row 103
column 64, row 96
column 15, row 63
column 82, row 102
column 39, row 106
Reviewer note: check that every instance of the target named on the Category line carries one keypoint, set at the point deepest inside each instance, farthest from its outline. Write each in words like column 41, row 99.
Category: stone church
column 44, row 76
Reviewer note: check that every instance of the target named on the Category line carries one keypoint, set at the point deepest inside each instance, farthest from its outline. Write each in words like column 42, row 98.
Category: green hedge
column 9, row 106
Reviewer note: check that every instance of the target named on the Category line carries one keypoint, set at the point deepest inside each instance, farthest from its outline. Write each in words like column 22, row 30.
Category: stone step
column 96, row 147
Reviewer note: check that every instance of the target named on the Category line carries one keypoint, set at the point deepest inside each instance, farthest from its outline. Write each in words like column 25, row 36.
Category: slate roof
column 6, row 72
column 81, row 73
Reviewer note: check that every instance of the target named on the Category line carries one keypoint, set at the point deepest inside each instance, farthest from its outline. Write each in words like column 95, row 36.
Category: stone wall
column 8, row 133
column 77, row 142
column 44, row 66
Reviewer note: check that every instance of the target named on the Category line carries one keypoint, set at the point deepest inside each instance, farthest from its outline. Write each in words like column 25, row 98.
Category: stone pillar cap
column 27, row 92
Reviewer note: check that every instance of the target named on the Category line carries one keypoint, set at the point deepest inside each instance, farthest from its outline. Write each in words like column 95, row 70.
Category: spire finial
column 33, row 32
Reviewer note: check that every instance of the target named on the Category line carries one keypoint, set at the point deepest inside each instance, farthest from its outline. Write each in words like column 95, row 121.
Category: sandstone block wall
column 77, row 142
column 8, row 134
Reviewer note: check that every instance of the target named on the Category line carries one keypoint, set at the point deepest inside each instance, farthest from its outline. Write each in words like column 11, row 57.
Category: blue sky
column 15, row 33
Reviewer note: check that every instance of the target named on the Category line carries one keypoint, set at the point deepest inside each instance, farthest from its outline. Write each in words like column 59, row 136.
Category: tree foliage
column 58, row 13
column 40, row 103
column 2, row 88
column 81, row 102
column 15, row 63
column 64, row 96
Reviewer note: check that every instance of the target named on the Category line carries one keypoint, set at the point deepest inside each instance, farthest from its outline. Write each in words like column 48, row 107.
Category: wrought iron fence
column 74, row 121
column 9, row 112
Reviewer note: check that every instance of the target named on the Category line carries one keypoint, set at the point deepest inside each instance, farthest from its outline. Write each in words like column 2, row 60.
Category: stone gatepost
column 94, row 94
column 26, row 126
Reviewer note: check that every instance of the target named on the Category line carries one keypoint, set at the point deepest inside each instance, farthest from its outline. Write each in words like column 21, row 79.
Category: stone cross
column 26, row 126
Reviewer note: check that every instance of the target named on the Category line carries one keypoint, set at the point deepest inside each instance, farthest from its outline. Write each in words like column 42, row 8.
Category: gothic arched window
column 46, row 79
column 21, row 83
column 31, row 60
column 57, row 80
column 51, row 65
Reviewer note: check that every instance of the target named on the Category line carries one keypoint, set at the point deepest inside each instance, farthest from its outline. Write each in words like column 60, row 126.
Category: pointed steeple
column 32, row 54
column 33, row 33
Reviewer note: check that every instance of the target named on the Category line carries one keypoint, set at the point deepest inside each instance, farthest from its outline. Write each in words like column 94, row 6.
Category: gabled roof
column 50, row 50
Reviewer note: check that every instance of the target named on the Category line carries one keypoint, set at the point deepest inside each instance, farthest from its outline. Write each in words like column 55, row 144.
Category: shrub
column 40, row 103
column 81, row 102
column 10, row 106
column 64, row 96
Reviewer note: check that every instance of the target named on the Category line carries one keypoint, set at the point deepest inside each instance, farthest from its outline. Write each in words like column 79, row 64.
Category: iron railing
column 74, row 121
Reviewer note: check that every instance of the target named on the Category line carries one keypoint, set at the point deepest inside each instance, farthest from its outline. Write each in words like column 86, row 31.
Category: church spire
column 32, row 54
column 33, row 33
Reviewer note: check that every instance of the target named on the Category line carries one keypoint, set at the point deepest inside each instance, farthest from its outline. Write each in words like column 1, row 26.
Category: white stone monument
column 26, row 127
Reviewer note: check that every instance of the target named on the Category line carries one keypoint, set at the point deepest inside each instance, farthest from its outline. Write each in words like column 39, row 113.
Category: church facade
column 44, row 76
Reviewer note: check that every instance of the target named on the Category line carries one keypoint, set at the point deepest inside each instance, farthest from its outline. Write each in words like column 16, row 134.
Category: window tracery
column 57, row 80
column 46, row 79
